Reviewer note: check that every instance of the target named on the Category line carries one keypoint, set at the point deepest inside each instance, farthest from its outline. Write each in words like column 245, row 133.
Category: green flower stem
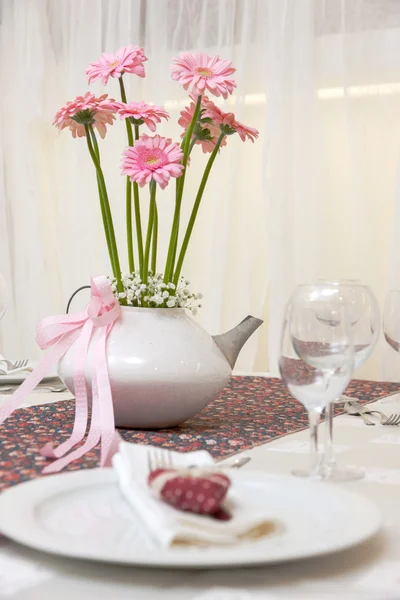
column 150, row 225
column 129, row 233
column 95, row 144
column 105, row 208
column 178, row 183
column 178, row 226
column 195, row 209
column 103, row 214
column 154, row 241
column 169, row 266
column 127, row 122
column 94, row 149
column 192, row 143
column 138, row 219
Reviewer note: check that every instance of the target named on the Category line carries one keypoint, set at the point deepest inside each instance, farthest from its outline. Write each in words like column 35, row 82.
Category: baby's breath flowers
column 156, row 293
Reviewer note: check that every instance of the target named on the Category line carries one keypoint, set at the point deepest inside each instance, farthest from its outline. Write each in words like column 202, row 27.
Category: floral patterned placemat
column 249, row 412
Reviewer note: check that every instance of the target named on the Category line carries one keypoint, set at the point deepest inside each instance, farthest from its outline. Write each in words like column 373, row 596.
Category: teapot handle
column 84, row 287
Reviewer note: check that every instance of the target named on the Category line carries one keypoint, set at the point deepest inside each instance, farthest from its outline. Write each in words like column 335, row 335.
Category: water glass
column 316, row 359
column 391, row 320
column 363, row 311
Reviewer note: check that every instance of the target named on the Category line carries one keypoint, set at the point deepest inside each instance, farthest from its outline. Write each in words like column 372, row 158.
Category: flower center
column 204, row 71
column 153, row 158
column 114, row 63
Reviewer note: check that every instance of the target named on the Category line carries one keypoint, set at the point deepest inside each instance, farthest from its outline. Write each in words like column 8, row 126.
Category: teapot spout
column 231, row 342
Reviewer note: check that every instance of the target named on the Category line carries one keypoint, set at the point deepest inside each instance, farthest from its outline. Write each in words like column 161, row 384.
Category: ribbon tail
column 81, row 403
column 105, row 396
column 113, row 449
column 92, row 439
column 37, row 375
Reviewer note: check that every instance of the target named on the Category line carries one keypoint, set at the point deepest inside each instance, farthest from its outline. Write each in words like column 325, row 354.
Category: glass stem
column 313, row 418
column 329, row 458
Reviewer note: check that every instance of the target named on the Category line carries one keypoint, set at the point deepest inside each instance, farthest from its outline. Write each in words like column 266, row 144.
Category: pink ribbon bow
column 59, row 333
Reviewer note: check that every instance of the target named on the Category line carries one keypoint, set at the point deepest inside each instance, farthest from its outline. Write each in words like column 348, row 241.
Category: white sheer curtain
column 317, row 195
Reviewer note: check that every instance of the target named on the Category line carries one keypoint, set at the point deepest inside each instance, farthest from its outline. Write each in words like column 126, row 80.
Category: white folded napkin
column 4, row 370
column 169, row 526
column 7, row 372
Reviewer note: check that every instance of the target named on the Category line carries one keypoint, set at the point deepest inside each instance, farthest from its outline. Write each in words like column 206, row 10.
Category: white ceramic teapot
column 163, row 366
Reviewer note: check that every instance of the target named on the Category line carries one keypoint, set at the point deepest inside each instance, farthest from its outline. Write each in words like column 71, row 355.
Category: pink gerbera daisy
column 128, row 59
column 140, row 113
column 206, row 140
column 152, row 158
column 201, row 72
column 86, row 110
column 228, row 119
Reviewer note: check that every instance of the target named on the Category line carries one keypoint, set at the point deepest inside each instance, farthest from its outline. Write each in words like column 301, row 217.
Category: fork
column 11, row 366
column 157, row 459
column 393, row 419
column 19, row 364
column 161, row 460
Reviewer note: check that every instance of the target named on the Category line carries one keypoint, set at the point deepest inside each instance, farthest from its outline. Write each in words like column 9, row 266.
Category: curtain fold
column 316, row 196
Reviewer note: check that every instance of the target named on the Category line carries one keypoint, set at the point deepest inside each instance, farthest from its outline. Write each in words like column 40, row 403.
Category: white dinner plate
column 22, row 375
column 82, row 515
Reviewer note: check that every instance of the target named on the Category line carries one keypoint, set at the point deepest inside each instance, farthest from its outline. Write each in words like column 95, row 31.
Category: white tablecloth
column 368, row 571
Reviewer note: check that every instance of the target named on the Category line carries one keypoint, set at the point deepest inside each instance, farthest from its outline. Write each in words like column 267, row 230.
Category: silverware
column 393, row 419
column 352, row 410
column 14, row 365
column 51, row 388
column 19, row 364
column 343, row 399
column 236, row 464
column 157, row 459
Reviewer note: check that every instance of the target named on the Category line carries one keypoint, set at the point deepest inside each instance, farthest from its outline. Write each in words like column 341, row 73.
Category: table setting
column 133, row 460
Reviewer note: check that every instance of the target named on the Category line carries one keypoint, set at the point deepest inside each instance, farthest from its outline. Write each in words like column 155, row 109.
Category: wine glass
column 316, row 360
column 363, row 311
column 391, row 320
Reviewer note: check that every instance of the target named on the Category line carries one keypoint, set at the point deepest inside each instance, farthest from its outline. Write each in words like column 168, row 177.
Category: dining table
column 254, row 417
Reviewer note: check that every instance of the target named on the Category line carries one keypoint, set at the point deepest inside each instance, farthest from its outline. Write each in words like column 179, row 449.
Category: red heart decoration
column 194, row 490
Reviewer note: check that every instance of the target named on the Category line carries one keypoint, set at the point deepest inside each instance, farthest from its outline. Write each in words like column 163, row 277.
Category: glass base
column 335, row 473
column 331, row 473
column 307, row 474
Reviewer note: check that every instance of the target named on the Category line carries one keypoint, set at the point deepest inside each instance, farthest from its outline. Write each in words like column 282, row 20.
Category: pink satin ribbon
column 59, row 333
